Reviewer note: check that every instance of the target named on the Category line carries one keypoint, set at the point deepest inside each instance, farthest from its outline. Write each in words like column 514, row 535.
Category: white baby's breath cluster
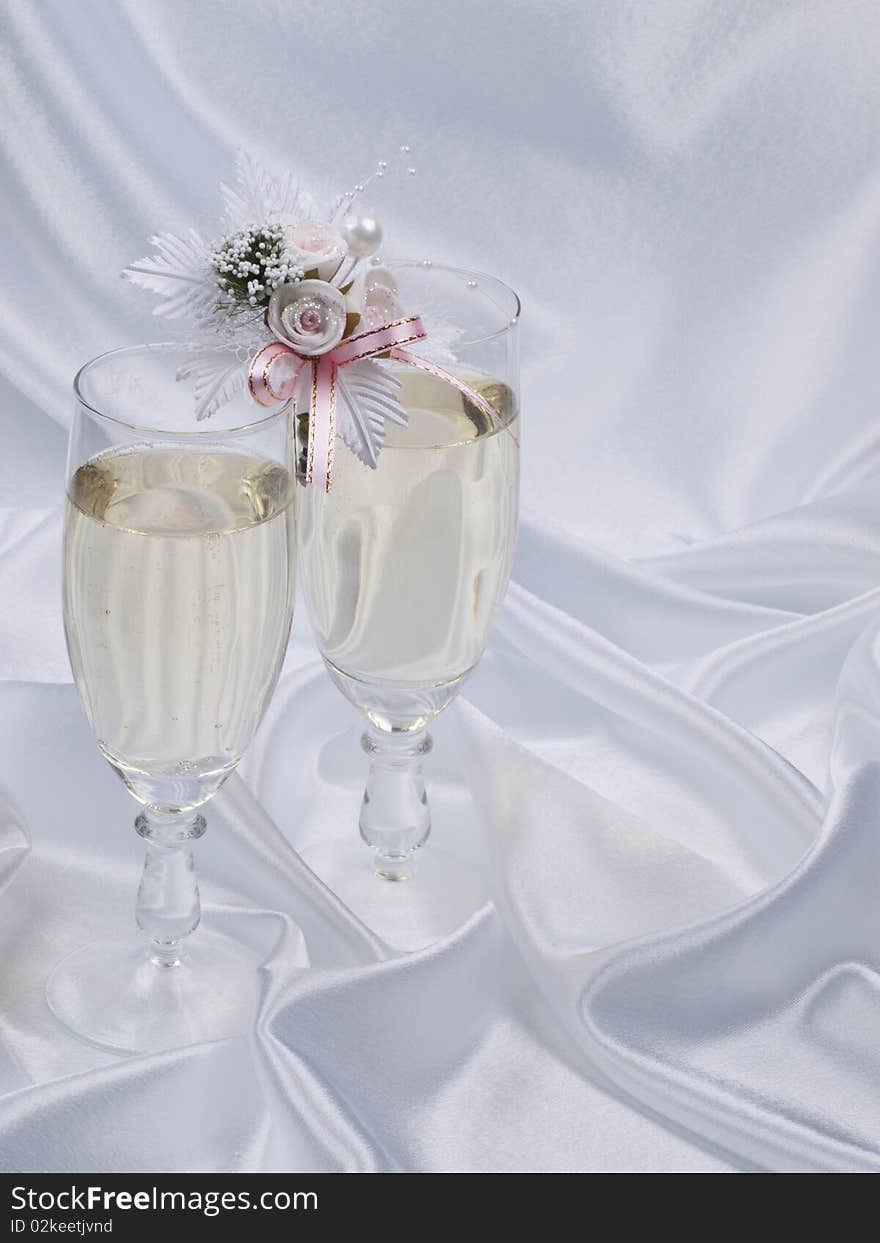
column 251, row 264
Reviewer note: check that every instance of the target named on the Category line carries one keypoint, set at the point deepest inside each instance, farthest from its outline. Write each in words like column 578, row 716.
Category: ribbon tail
column 425, row 364
column 322, row 424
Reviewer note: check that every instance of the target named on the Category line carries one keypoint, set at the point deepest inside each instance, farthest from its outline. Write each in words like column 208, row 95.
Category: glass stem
column 395, row 820
column 168, row 907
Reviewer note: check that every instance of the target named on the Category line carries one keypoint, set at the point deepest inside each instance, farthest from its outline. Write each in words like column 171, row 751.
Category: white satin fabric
column 658, row 803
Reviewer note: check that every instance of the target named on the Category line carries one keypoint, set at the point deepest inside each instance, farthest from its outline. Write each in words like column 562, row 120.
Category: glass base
column 116, row 996
column 439, row 894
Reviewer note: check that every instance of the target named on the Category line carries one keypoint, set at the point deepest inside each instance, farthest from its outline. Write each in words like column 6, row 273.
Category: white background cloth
column 658, row 803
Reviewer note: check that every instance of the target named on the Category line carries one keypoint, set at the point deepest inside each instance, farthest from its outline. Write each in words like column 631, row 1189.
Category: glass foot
column 435, row 899
column 119, row 997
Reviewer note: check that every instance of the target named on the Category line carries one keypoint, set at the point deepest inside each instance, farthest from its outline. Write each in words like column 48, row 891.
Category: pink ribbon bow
column 276, row 368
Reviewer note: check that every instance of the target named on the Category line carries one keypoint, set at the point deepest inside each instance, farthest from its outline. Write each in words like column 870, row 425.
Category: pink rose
column 313, row 244
column 380, row 302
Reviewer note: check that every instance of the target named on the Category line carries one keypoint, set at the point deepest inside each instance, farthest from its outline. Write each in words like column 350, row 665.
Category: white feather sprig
column 258, row 196
column 218, row 375
column 440, row 342
column 366, row 395
column 180, row 272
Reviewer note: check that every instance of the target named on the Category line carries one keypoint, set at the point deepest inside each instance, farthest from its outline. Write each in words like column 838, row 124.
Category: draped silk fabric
column 657, row 805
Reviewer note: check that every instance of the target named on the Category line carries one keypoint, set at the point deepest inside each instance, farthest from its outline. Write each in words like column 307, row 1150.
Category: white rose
column 311, row 244
column 309, row 316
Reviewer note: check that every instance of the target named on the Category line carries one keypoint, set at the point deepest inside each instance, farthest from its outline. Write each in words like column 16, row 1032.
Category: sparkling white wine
column 178, row 597
column 404, row 565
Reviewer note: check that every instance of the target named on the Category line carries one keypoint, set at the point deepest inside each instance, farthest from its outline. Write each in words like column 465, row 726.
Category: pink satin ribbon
column 276, row 369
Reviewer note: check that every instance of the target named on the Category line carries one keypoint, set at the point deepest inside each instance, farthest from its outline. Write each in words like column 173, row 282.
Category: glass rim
column 428, row 265
column 209, row 432
column 212, row 431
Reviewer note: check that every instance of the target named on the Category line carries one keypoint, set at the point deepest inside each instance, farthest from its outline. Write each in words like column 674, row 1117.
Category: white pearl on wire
column 362, row 235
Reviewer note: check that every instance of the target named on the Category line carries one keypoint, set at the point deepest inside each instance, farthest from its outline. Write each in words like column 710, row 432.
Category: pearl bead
column 362, row 234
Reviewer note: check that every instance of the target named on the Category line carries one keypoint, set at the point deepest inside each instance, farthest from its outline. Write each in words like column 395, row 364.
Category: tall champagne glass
column 404, row 566
column 178, row 598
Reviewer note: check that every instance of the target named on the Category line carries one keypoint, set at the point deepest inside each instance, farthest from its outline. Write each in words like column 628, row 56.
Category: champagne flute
column 404, row 566
column 178, row 599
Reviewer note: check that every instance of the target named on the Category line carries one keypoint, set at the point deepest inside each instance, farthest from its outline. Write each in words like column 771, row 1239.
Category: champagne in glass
column 404, row 565
column 178, row 599
column 178, row 590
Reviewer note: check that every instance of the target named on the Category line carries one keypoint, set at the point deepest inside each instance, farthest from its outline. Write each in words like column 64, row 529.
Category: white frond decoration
column 258, row 196
column 218, row 375
column 180, row 272
column 366, row 395
column 439, row 344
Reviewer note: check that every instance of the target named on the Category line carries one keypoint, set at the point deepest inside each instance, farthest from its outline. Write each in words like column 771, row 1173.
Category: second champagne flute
column 404, row 566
